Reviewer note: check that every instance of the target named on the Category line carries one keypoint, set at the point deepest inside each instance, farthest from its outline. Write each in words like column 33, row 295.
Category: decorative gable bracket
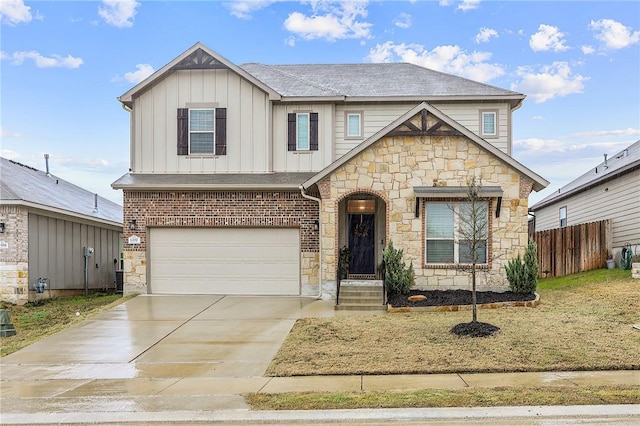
column 199, row 60
column 408, row 128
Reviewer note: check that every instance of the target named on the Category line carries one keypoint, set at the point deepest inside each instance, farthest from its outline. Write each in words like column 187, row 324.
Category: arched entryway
column 362, row 230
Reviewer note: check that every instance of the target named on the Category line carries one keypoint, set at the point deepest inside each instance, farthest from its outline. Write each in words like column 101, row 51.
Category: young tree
column 473, row 233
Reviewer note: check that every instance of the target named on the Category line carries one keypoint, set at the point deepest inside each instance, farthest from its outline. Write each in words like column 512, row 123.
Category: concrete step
column 357, row 293
column 352, row 307
column 361, row 283
column 361, row 300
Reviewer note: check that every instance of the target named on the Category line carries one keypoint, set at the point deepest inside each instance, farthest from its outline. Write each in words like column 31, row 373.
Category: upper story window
column 563, row 217
column 302, row 134
column 353, row 125
column 202, row 131
column 489, row 124
column 449, row 233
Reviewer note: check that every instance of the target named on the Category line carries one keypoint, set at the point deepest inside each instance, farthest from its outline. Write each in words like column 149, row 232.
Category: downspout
column 319, row 201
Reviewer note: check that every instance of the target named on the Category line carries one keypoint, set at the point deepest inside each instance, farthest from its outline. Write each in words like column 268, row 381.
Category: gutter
column 319, row 201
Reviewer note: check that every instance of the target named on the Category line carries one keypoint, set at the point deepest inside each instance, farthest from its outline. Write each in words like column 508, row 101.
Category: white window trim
column 212, row 131
column 308, row 148
column 347, row 136
column 560, row 211
column 496, row 132
column 456, row 235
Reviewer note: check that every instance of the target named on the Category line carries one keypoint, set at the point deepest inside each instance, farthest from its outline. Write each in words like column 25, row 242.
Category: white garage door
column 262, row 261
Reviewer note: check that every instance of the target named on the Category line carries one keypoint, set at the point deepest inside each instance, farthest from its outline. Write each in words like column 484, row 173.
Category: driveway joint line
column 265, row 385
column 463, row 380
column 174, row 330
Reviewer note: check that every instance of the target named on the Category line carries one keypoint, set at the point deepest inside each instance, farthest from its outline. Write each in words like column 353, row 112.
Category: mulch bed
column 456, row 297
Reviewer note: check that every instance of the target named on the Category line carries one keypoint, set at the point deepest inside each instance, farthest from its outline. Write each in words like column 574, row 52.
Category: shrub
column 399, row 278
column 523, row 275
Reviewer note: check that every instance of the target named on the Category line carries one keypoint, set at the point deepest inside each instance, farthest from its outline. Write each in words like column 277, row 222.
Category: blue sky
column 63, row 64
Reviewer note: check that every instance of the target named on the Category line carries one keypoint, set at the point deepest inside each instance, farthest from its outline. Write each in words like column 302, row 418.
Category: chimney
column 46, row 162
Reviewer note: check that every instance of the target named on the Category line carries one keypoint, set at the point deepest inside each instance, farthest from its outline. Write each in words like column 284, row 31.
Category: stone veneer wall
column 391, row 168
column 218, row 209
column 14, row 255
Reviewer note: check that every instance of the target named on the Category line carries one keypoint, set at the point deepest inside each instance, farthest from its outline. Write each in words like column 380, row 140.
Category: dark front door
column 362, row 243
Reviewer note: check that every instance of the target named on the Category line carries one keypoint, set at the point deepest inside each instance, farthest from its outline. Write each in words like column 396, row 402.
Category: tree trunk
column 473, row 292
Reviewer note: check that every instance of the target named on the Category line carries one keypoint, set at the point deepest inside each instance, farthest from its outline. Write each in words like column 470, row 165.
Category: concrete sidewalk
column 218, row 399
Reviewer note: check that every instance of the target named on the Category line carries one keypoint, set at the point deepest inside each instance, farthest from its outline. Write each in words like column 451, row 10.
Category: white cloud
column 551, row 82
column 449, row 59
column 330, row 21
column 588, row 50
column 485, row 34
column 142, row 71
column 53, row 61
column 613, row 34
column 539, row 145
column 403, row 20
column 468, row 5
column 548, row 37
column 244, row 9
column 4, row 133
column 14, row 12
column 606, row 133
column 119, row 13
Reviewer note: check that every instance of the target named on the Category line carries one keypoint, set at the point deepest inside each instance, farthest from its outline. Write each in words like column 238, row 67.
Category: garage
column 252, row 261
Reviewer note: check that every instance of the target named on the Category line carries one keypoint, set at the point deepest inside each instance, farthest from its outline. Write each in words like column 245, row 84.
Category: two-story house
column 249, row 179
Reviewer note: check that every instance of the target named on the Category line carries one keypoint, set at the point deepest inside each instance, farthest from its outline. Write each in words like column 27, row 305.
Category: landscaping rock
column 417, row 298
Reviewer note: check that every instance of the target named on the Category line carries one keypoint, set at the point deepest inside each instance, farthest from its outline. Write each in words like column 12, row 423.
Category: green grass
column 515, row 396
column 35, row 322
column 598, row 276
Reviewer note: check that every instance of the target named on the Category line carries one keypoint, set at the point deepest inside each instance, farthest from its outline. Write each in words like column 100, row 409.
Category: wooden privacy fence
column 576, row 248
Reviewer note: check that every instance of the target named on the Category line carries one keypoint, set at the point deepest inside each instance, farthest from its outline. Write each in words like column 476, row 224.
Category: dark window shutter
column 221, row 131
column 183, row 131
column 313, row 131
column 291, row 134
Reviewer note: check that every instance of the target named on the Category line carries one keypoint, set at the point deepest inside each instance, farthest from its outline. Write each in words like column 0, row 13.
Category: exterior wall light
column 132, row 224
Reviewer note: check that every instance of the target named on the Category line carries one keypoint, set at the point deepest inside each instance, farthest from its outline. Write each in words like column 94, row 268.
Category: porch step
column 361, row 295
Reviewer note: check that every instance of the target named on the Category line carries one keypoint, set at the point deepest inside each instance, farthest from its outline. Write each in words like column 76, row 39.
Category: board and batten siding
column 56, row 251
column 618, row 200
column 377, row 116
column 154, row 129
column 302, row 161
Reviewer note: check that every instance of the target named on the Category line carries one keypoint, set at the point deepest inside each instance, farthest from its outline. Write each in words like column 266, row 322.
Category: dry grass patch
column 447, row 398
column 584, row 322
column 35, row 322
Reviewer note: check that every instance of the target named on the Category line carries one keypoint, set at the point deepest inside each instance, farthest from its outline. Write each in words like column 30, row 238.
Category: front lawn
column 35, row 322
column 584, row 322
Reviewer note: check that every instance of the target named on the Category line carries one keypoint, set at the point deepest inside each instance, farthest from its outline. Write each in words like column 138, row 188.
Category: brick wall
column 215, row 209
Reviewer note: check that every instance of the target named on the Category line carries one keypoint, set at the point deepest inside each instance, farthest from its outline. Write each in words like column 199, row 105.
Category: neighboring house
column 611, row 190
column 249, row 179
column 45, row 225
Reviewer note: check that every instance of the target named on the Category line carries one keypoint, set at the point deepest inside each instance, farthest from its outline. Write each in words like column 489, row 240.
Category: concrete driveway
column 168, row 336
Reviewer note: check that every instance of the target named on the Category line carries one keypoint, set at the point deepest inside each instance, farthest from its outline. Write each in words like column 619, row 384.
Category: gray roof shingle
column 24, row 184
column 369, row 80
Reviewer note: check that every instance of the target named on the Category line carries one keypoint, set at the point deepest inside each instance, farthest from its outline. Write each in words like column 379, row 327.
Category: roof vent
column 46, row 163
column 95, row 203
column 605, row 161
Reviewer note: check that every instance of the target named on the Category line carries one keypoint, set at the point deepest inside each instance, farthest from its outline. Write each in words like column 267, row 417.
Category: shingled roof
column 621, row 163
column 335, row 82
column 381, row 80
column 25, row 185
